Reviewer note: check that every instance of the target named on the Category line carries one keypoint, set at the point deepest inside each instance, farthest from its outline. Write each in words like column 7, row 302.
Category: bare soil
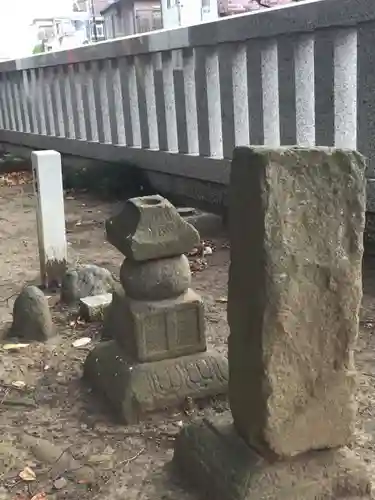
column 128, row 462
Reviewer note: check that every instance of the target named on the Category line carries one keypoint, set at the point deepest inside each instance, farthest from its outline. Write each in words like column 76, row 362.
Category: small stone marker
column 94, row 308
column 296, row 221
column 85, row 281
column 32, row 318
column 158, row 356
column 48, row 187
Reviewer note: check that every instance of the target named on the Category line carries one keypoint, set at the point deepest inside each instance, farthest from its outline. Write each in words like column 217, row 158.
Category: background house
column 188, row 12
column 82, row 26
column 127, row 17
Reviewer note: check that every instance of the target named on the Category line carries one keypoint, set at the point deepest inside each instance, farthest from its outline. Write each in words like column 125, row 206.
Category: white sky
column 16, row 39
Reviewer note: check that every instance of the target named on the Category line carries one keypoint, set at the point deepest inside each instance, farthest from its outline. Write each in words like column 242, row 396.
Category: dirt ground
column 128, row 462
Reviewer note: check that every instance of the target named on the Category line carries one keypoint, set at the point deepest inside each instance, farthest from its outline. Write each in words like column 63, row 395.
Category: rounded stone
column 85, row 281
column 156, row 279
column 32, row 319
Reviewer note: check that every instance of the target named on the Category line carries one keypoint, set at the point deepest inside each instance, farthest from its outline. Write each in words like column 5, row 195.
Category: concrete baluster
column 152, row 120
column 60, row 126
column 47, row 91
column 190, row 101
column 214, row 104
column 345, row 84
column 270, row 93
column 10, row 102
column 17, row 101
column 33, row 101
column 41, row 113
column 304, row 66
column 240, row 96
column 170, row 101
column 94, row 136
column 24, row 85
column 118, row 104
column 134, row 103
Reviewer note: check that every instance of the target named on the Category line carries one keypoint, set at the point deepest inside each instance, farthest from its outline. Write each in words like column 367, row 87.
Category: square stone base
column 156, row 330
column 135, row 389
column 211, row 457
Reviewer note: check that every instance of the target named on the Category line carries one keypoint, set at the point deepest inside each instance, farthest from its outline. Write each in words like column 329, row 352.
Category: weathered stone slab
column 156, row 330
column 156, row 279
column 94, row 308
column 32, row 319
column 149, row 228
column 212, row 458
column 135, row 389
column 206, row 223
column 296, row 225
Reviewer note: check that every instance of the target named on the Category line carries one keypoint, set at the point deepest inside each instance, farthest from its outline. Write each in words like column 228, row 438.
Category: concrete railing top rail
column 302, row 17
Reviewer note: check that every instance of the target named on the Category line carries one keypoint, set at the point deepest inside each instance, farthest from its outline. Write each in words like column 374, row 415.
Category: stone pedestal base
column 134, row 389
column 156, row 330
column 213, row 459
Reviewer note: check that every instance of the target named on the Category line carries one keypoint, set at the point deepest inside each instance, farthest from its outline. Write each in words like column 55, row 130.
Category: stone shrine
column 157, row 356
column 296, row 220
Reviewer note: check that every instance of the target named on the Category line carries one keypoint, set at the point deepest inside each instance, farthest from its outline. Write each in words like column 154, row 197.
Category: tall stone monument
column 158, row 355
column 296, row 223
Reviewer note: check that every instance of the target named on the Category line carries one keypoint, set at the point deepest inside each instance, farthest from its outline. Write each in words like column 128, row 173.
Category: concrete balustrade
column 178, row 101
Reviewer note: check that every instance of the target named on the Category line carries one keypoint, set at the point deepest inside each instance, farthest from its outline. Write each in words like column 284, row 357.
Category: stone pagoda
column 157, row 355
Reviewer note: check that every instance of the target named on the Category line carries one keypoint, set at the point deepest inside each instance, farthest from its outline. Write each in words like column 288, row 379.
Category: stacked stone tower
column 157, row 355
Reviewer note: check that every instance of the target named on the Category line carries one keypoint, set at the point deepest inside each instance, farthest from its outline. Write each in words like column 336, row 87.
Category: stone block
column 135, row 389
column 149, row 228
column 32, row 319
column 211, row 458
column 296, row 225
column 155, row 330
column 156, row 279
column 94, row 308
column 206, row 223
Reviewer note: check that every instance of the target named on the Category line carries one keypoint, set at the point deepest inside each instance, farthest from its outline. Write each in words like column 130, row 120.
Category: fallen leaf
column 81, row 342
column 14, row 347
column 222, row 300
column 27, row 474
column 39, row 496
column 19, row 384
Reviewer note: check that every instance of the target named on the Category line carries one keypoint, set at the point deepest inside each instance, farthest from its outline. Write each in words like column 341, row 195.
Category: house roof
column 99, row 5
column 114, row 4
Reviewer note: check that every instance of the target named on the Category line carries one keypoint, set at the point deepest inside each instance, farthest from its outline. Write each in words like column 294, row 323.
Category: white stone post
column 48, row 189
